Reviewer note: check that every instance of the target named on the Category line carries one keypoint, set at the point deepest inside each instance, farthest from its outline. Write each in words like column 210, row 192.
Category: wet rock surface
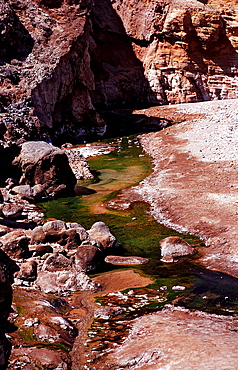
column 150, row 344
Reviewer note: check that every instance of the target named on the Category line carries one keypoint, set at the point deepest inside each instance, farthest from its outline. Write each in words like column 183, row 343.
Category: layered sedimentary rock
column 188, row 50
column 63, row 61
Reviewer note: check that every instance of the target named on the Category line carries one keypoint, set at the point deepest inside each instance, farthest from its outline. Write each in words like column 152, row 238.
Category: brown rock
column 38, row 235
column 56, row 261
column 175, row 246
column 51, row 227
column 56, row 232
column 42, row 249
column 65, row 280
column 41, row 357
column 15, row 244
column 88, row 257
column 26, row 191
column 45, row 333
column 28, row 271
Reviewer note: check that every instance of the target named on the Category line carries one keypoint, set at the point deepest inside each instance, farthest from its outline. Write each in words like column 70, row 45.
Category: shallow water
column 139, row 234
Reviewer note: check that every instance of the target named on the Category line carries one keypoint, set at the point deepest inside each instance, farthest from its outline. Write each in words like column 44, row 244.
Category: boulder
column 38, row 235
column 101, row 232
column 25, row 191
column 55, row 262
column 88, row 257
column 175, row 246
column 28, row 271
column 42, row 249
column 52, row 227
column 64, row 281
column 45, row 165
column 15, row 244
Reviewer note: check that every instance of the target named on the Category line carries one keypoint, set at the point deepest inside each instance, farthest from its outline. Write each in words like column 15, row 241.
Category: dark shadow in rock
column 15, row 41
column 124, row 122
column 17, row 225
column 82, row 190
column 119, row 74
column 7, row 269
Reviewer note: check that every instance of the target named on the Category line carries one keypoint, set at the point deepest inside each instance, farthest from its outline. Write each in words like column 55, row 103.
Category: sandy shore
column 194, row 184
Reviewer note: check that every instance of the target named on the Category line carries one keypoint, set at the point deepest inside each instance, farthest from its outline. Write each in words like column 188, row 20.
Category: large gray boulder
column 46, row 169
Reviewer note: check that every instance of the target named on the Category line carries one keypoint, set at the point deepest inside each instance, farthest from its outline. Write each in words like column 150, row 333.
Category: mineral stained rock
column 63, row 61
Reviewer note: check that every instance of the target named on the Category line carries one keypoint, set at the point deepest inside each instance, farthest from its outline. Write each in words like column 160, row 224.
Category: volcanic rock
column 175, row 246
column 109, row 54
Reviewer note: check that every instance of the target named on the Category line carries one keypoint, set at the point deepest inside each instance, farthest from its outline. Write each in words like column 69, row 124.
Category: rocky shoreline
column 193, row 187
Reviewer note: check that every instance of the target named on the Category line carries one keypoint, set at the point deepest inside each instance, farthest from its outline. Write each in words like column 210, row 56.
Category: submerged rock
column 131, row 260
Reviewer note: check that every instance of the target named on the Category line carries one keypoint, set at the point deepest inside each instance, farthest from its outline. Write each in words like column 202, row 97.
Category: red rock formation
column 63, row 60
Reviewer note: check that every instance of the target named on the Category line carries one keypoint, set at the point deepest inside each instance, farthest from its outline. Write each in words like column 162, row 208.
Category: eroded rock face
column 189, row 50
column 109, row 53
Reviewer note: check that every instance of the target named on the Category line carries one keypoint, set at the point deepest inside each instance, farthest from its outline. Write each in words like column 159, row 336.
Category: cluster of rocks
column 55, row 257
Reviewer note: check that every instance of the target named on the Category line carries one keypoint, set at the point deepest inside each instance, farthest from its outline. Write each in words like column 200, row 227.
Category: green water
column 139, row 234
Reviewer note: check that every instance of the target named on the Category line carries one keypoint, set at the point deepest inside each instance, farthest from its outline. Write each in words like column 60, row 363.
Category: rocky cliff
column 64, row 61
